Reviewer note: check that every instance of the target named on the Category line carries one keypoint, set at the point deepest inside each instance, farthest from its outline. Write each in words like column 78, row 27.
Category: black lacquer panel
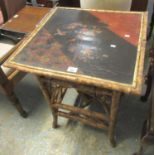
column 99, row 44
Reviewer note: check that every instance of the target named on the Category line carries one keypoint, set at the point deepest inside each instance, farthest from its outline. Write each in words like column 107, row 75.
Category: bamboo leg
column 113, row 117
column 55, row 118
column 43, row 89
column 55, row 110
column 49, row 101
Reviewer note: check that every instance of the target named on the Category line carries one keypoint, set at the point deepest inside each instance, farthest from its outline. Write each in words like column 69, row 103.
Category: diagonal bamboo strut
column 89, row 113
column 83, row 120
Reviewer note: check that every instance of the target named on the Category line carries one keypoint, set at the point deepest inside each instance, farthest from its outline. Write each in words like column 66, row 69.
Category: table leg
column 14, row 100
column 49, row 97
column 54, row 100
column 54, row 91
column 8, row 90
column 113, row 116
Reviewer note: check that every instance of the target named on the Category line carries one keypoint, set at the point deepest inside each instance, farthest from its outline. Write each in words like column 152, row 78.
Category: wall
column 107, row 4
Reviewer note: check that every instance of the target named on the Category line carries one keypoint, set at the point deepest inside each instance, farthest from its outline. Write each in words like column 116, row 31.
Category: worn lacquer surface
column 98, row 44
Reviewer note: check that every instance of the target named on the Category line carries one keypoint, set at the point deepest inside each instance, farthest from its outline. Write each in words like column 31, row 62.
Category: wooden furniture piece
column 30, row 16
column 147, row 133
column 1, row 17
column 139, row 5
column 7, row 86
column 151, row 26
column 41, row 3
column 147, row 136
column 46, row 3
column 10, row 77
column 71, row 3
column 94, row 52
column 150, row 74
column 10, row 8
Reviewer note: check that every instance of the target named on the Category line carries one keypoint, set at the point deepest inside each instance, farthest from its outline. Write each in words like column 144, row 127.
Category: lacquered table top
column 97, row 45
column 26, row 19
column 21, row 23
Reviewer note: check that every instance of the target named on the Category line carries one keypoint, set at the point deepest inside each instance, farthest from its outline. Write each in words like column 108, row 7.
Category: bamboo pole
column 83, row 120
column 113, row 117
column 77, row 110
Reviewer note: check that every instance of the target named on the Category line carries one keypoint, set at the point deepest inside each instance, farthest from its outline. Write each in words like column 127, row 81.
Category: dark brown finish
column 150, row 74
column 41, row 3
column 7, row 86
column 139, row 5
column 69, row 3
column 150, row 78
column 10, row 8
column 151, row 26
column 30, row 16
column 13, row 36
column 46, row 3
column 3, row 10
column 8, row 82
column 147, row 134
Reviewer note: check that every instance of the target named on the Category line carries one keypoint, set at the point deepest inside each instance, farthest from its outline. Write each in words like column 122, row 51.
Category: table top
column 93, row 47
column 24, row 21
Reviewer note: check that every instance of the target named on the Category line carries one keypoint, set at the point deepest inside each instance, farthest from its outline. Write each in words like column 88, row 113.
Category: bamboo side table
column 95, row 52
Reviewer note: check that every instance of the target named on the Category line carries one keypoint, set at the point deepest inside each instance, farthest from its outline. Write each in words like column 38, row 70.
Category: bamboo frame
column 113, row 117
column 54, row 98
column 134, row 88
column 59, row 81
column 15, row 77
column 81, row 111
column 87, row 121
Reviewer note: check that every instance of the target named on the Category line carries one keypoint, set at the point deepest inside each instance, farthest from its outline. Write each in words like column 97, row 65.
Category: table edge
column 134, row 88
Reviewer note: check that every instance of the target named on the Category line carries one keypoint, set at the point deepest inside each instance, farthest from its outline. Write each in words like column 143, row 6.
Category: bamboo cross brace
column 82, row 111
column 83, row 120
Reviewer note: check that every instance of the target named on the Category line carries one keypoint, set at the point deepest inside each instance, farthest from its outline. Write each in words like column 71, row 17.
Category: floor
column 35, row 135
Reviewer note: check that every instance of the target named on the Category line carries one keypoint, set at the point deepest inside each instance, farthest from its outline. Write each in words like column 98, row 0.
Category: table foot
column 16, row 103
column 54, row 125
column 24, row 114
column 143, row 98
column 55, row 120
column 113, row 142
